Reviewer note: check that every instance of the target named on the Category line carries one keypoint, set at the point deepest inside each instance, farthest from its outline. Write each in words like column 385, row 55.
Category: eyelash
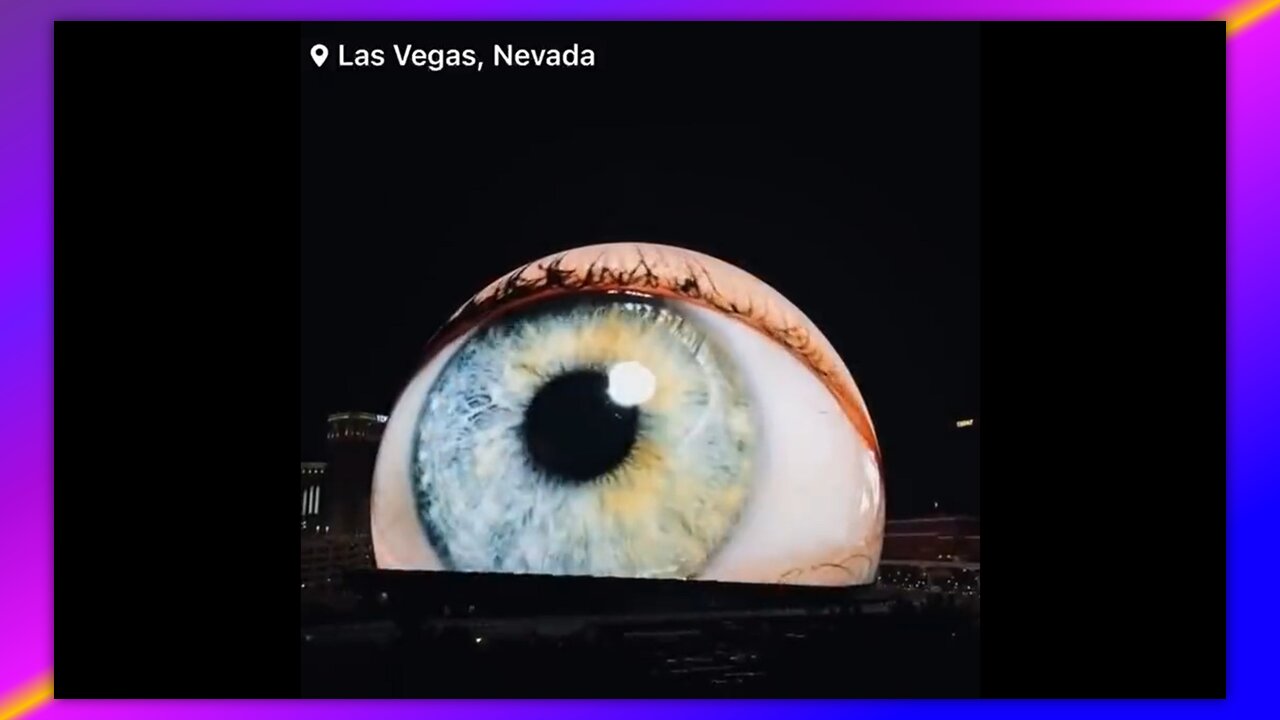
column 515, row 290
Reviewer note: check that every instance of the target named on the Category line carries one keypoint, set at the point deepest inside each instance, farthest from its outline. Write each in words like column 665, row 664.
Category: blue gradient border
column 26, row 380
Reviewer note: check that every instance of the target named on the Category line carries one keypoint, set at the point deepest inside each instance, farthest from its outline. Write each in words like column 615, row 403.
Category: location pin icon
column 319, row 53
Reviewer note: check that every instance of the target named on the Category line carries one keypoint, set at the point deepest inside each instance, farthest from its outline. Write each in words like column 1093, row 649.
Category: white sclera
column 817, row 494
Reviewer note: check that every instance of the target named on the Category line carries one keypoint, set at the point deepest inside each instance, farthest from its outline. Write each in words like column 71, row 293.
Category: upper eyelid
column 669, row 272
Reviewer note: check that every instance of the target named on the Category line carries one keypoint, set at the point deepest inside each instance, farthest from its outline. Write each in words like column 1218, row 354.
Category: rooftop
column 371, row 417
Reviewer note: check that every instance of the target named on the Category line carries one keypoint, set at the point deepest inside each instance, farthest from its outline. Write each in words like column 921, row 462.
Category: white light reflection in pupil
column 631, row 383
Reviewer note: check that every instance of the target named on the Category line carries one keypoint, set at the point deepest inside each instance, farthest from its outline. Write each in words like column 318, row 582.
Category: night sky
column 839, row 164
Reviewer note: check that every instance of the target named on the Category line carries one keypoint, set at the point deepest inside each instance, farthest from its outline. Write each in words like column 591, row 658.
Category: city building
column 335, row 505
column 941, row 552
column 326, row 558
column 947, row 538
column 352, row 446
column 312, row 492
column 933, row 554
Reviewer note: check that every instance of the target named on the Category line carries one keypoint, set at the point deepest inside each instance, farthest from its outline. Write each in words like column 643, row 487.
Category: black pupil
column 574, row 431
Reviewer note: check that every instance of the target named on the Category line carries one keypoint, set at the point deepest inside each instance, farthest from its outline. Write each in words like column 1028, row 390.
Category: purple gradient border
column 26, row 379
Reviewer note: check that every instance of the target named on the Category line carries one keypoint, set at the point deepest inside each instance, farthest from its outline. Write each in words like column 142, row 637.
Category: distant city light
column 964, row 423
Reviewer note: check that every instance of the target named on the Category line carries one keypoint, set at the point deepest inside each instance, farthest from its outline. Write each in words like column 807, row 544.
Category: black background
column 839, row 163
column 178, row 239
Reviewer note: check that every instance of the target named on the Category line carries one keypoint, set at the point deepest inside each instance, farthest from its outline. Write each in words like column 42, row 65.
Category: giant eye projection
column 631, row 410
